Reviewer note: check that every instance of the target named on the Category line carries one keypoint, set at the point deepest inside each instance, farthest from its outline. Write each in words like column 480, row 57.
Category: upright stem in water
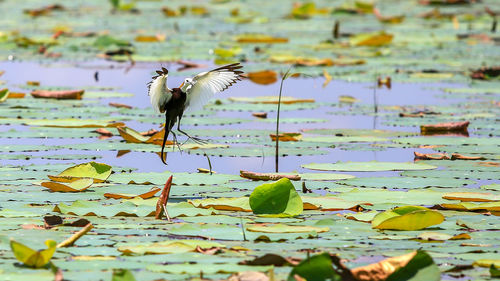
column 278, row 118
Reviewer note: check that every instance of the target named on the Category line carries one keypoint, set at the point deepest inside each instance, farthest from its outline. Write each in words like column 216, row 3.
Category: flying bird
column 191, row 95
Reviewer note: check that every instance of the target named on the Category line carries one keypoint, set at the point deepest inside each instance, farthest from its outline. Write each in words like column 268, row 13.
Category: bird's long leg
column 165, row 136
column 176, row 142
column 195, row 139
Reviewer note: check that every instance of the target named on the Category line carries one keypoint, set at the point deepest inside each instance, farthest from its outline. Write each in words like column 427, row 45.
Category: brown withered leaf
column 103, row 132
column 430, row 156
column 120, row 105
column 161, row 205
column 14, row 95
column 456, row 156
column 62, row 95
column 145, row 195
column 444, row 127
column 262, row 115
column 264, row 77
column 208, row 251
column 383, row 269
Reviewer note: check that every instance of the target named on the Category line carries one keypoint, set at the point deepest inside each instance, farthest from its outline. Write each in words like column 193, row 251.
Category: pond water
column 124, row 78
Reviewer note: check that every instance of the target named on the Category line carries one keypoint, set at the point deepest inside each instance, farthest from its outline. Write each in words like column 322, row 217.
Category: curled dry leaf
column 264, row 77
column 78, row 185
column 430, row 156
column 456, row 156
column 287, row 136
column 205, row 171
column 120, row 105
column 262, row 115
column 382, row 270
column 161, row 205
column 145, row 195
column 208, row 251
column 15, row 95
column 132, row 136
column 444, row 127
column 149, row 133
column 267, row 176
column 62, row 95
column 103, row 132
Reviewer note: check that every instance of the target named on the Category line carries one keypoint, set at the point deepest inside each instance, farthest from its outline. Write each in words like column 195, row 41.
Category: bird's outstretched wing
column 207, row 84
column 158, row 91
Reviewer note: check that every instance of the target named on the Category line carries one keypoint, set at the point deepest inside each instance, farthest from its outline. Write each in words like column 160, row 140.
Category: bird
column 191, row 95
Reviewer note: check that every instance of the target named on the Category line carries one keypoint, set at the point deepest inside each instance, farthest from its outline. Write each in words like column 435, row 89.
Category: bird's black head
column 163, row 71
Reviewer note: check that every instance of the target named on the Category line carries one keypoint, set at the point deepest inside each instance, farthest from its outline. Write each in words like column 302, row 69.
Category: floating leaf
column 264, row 77
column 317, row 267
column 31, row 257
column 168, row 247
column 145, row 195
column 284, row 228
column 438, row 236
column 414, row 266
column 469, row 206
column 330, row 203
column 122, row 275
column 472, row 196
column 407, row 218
column 276, row 199
column 61, row 95
column 97, row 171
column 226, row 204
column 260, row 38
column 78, row 185
column 375, row 39
column 368, row 166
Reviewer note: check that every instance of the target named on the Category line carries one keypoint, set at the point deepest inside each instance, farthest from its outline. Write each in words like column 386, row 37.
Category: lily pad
column 407, row 218
column 368, row 166
column 276, row 199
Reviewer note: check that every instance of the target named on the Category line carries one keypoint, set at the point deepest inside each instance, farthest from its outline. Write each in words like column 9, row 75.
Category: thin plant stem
column 209, row 164
column 278, row 118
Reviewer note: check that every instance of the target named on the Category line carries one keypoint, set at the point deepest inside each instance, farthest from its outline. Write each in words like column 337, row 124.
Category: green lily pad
column 317, row 267
column 407, row 218
column 276, row 199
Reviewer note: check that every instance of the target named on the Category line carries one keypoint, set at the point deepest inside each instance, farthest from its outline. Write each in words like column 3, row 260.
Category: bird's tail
column 165, row 136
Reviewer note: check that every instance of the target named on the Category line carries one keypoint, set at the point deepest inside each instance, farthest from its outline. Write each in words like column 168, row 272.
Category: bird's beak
column 181, row 85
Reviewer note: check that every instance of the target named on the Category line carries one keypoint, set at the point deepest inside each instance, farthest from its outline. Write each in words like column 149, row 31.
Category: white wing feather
column 207, row 84
column 159, row 94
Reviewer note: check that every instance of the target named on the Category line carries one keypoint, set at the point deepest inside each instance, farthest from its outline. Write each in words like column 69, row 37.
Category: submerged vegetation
column 386, row 137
